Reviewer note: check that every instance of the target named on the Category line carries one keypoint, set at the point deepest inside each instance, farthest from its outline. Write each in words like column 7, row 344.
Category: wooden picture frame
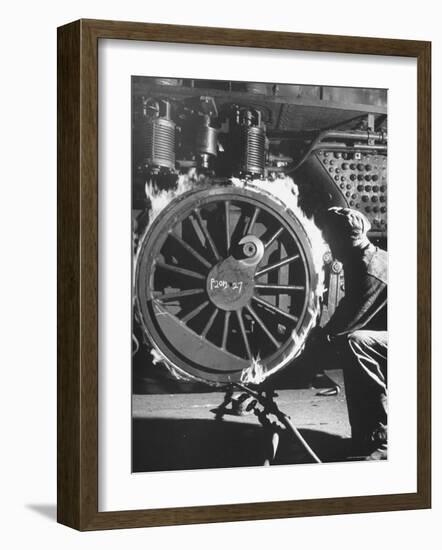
column 78, row 274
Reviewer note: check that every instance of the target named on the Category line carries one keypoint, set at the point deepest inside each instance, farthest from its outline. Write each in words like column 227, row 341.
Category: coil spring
column 253, row 150
column 160, row 143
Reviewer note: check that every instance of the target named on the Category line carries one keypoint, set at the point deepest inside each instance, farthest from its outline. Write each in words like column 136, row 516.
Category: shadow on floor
column 156, row 380
column 328, row 447
column 161, row 444
column 49, row 511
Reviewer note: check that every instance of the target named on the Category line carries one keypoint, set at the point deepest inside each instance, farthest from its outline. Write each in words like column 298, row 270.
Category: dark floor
column 178, row 430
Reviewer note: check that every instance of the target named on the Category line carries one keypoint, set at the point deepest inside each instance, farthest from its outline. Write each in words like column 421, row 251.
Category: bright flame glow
column 160, row 198
column 286, row 191
column 254, row 374
column 161, row 360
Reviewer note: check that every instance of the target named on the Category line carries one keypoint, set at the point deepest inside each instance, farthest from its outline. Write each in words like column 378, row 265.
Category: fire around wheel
column 224, row 282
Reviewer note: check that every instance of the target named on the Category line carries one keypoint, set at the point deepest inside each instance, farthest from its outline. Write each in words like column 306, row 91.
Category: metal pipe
column 358, row 147
column 329, row 134
column 317, row 143
column 354, row 134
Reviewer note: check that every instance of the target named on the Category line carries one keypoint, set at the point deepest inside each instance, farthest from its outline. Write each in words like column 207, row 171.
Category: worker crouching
column 358, row 329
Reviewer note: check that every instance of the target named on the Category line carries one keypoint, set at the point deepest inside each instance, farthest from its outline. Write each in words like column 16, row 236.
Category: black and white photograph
column 259, row 235
column 217, row 275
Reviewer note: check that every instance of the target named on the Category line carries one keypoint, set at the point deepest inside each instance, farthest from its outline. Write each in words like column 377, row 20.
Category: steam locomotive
column 230, row 271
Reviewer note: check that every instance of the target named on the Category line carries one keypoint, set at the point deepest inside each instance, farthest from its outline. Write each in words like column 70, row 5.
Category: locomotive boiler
column 230, row 270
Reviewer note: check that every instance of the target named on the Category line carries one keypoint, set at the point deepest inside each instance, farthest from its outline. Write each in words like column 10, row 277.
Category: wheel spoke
column 253, row 220
column 198, row 231
column 191, row 250
column 225, row 329
column 209, row 323
column 194, row 312
column 243, row 332
column 279, row 288
column 240, row 226
column 279, row 264
column 273, row 237
column 181, row 270
column 207, row 234
column 180, row 294
column 275, row 309
column 262, row 325
column 227, row 211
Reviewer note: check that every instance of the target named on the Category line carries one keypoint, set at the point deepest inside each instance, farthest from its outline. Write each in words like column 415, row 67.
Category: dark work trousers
column 364, row 360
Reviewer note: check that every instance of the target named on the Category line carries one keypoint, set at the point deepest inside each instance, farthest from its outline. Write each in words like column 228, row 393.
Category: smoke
column 284, row 190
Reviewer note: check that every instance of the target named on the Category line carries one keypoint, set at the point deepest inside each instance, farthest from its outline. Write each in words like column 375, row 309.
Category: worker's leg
column 365, row 376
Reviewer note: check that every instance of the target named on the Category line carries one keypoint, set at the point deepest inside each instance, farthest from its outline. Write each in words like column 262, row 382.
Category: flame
column 160, row 198
column 157, row 357
column 161, row 360
column 254, row 374
column 286, row 191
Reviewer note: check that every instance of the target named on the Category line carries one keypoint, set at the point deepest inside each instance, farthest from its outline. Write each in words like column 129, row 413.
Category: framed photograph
column 232, row 206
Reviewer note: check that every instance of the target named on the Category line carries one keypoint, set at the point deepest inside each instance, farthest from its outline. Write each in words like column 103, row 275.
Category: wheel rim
column 224, row 278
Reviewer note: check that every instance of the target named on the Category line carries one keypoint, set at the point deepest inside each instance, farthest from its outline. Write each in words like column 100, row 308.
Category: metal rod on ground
column 283, row 418
column 291, row 427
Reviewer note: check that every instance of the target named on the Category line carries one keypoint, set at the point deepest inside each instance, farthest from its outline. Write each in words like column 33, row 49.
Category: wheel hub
column 230, row 283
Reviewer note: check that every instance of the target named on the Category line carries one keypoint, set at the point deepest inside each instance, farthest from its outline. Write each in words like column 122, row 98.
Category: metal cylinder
column 206, row 140
column 160, row 143
column 206, row 144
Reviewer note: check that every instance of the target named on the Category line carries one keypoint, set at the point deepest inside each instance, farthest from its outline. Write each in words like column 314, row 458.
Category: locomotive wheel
column 224, row 278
